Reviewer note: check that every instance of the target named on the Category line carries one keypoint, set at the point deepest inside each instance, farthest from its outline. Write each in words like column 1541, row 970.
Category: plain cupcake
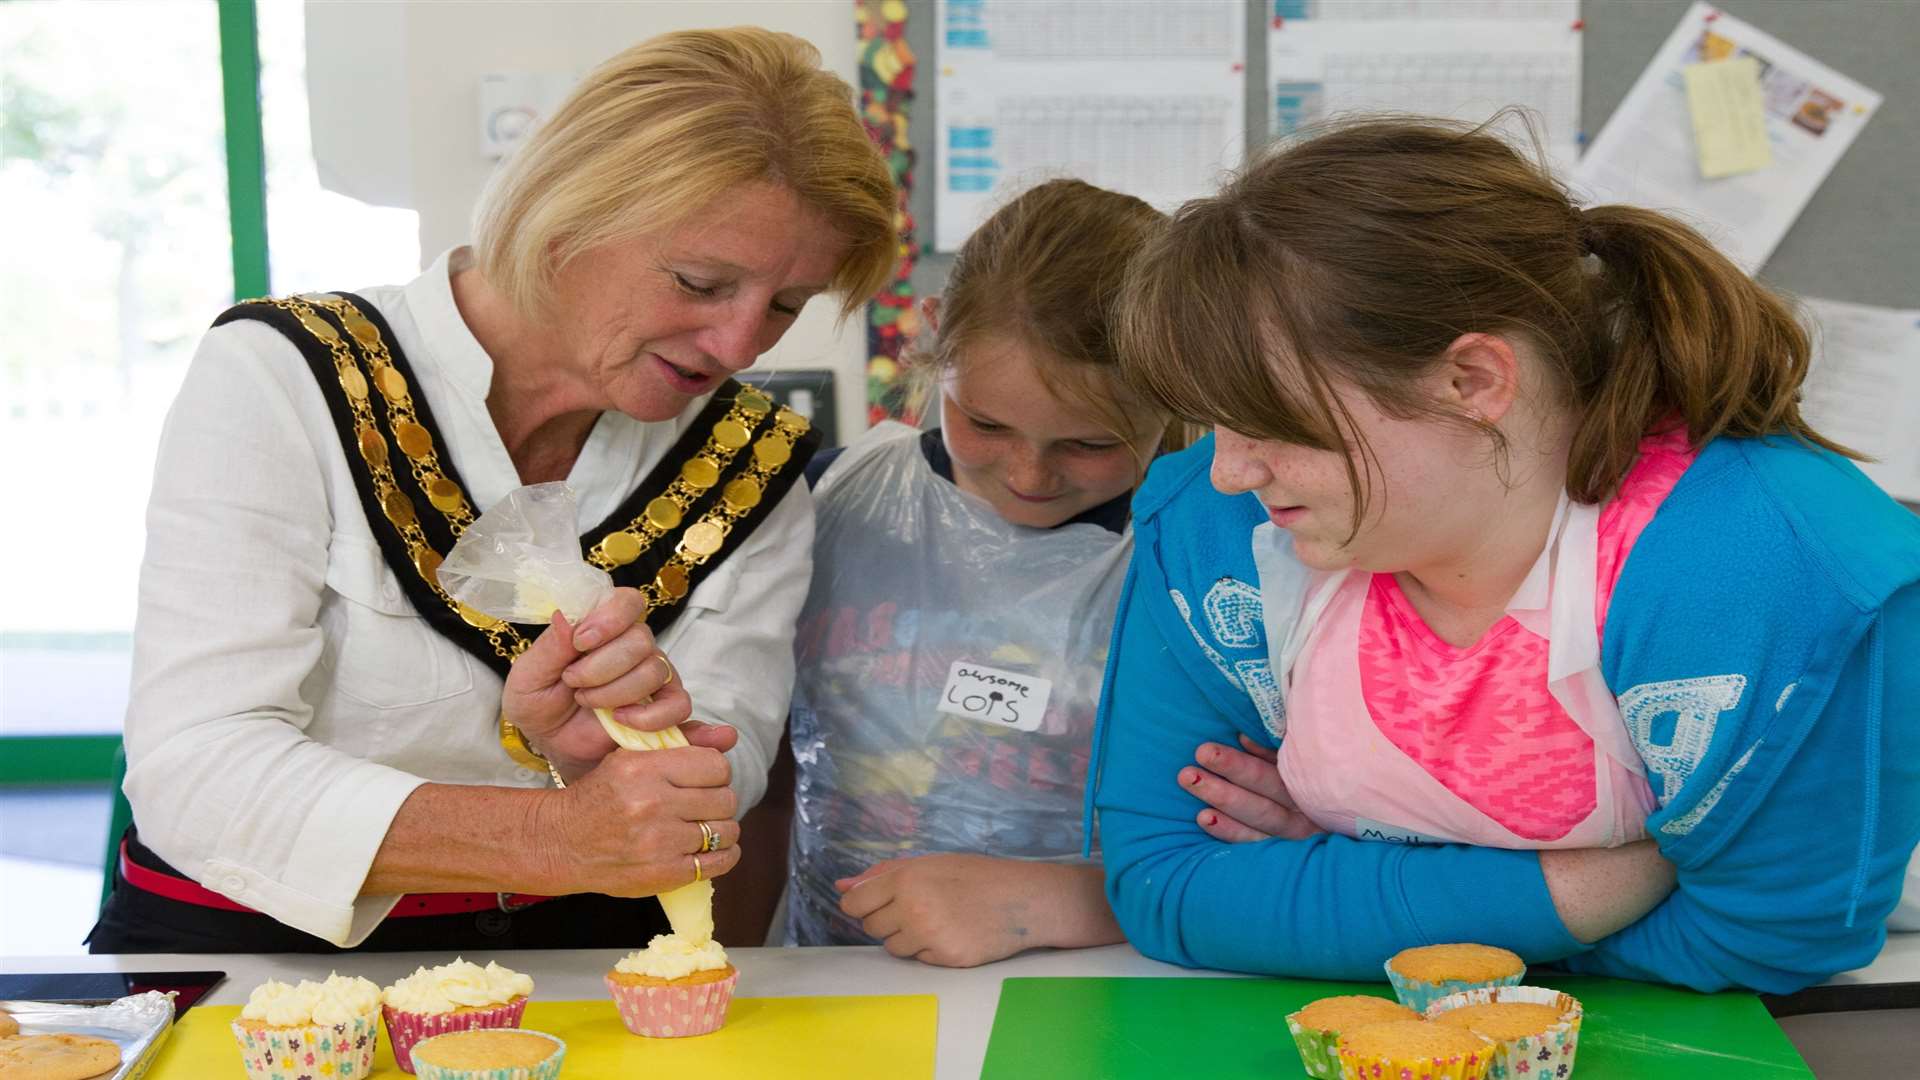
column 1424, row 975
column 489, row 1054
column 1414, row 1048
column 1529, row 1025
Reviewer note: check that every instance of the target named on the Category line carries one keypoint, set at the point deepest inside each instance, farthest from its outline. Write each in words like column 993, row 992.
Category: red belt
column 191, row 892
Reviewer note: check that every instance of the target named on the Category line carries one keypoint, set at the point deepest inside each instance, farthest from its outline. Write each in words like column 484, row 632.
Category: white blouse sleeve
column 225, row 784
column 734, row 644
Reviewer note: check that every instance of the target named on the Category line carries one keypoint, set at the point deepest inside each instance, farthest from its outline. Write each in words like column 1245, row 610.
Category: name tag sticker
column 992, row 696
column 1368, row 829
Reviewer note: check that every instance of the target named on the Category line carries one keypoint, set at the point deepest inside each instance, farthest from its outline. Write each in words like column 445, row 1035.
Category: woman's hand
column 631, row 826
column 608, row 661
column 965, row 910
column 1248, row 800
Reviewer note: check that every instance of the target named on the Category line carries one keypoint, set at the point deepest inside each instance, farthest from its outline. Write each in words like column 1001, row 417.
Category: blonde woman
column 324, row 751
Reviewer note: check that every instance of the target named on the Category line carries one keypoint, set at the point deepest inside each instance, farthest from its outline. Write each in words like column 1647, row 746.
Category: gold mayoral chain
column 705, row 537
column 698, row 543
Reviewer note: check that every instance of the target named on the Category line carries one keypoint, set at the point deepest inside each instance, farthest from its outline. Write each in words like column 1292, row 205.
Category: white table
column 967, row 997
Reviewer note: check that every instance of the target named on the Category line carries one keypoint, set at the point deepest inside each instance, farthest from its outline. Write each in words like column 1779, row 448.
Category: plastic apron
column 1350, row 778
column 913, row 581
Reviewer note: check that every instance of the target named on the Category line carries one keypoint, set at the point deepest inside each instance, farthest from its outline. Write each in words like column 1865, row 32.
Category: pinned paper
column 1644, row 156
column 1863, row 390
column 1729, row 117
column 1466, row 61
column 1144, row 99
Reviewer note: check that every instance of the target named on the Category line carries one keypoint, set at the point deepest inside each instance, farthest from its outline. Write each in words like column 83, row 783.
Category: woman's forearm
column 458, row 838
column 1600, row 891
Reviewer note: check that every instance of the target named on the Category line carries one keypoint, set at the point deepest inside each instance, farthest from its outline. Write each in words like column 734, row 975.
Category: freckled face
column 1036, row 459
column 1419, row 503
column 654, row 321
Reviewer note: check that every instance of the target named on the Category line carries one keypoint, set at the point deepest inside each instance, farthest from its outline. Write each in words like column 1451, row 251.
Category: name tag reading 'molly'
column 992, row 696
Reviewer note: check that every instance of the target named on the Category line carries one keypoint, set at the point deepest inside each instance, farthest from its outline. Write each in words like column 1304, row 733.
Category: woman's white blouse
column 287, row 698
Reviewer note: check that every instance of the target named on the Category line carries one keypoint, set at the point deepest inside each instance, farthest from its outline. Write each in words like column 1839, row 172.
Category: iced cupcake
column 489, row 1054
column 1316, row 1029
column 1424, row 975
column 452, row 997
column 673, row 987
column 1536, row 1030
column 326, row 1029
column 1414, row 1049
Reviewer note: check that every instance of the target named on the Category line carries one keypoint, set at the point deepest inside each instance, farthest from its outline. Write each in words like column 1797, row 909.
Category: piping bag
column 520, row 561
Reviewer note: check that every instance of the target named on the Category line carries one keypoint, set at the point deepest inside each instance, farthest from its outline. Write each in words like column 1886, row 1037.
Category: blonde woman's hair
column 655, row 133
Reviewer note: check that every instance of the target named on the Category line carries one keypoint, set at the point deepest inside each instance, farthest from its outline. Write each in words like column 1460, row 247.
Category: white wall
column 394, row 96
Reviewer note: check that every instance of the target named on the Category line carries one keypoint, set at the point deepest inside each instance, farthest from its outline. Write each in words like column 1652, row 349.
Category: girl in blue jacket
column 1513, row 503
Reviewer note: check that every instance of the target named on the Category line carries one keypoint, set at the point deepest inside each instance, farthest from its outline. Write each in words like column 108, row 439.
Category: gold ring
column 668, row 681
column 697, row 875
column 708, row 841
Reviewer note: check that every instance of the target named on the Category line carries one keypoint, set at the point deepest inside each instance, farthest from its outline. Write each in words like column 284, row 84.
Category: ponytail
column 1684, row 333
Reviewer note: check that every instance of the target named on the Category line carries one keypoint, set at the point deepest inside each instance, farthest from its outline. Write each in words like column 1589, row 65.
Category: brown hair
column 656, row 132
column 1047, row 268
column 1363, row 252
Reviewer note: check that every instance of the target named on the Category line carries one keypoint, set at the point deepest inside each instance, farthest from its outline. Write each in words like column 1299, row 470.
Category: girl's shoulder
column 1178, row 480
column 1791, row 517
column 1194, row 532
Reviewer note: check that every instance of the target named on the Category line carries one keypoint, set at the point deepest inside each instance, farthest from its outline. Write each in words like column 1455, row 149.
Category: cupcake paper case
column 1431, row 972
column 1547, row 1055
column 546, row 1069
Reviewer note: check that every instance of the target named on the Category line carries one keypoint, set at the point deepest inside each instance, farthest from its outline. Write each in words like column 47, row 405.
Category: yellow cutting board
column 880, row 1036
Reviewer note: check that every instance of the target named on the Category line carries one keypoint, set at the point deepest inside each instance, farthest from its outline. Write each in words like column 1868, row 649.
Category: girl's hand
column 957, row 910
column 608, row 661
column 1247, row 800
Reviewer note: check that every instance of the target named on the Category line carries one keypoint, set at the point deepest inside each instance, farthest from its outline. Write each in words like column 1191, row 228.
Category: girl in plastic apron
column 951, row 650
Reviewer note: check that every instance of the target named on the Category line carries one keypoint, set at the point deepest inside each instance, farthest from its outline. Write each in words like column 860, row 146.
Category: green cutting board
column 1063, row 1029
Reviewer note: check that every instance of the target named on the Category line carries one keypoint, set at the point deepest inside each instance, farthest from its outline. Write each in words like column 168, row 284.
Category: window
column 113, row 218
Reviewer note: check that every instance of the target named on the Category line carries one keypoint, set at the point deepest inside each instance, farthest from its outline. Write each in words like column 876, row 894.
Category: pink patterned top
column 1479, row 718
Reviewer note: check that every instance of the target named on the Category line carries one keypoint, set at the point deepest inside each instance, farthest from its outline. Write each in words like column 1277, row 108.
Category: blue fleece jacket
column 1763, row 642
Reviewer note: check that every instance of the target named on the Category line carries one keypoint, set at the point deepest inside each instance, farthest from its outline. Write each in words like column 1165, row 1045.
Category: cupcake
column 489, row 1054
column 1536, row 1030
column 452, row 997
column 1414, row 1050
column 1316, row 1029
column 673, row 987
column 326, row 1029
column 1424, row 975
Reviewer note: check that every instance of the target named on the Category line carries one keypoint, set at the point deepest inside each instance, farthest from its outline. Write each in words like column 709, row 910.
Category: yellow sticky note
column 1729, row 118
